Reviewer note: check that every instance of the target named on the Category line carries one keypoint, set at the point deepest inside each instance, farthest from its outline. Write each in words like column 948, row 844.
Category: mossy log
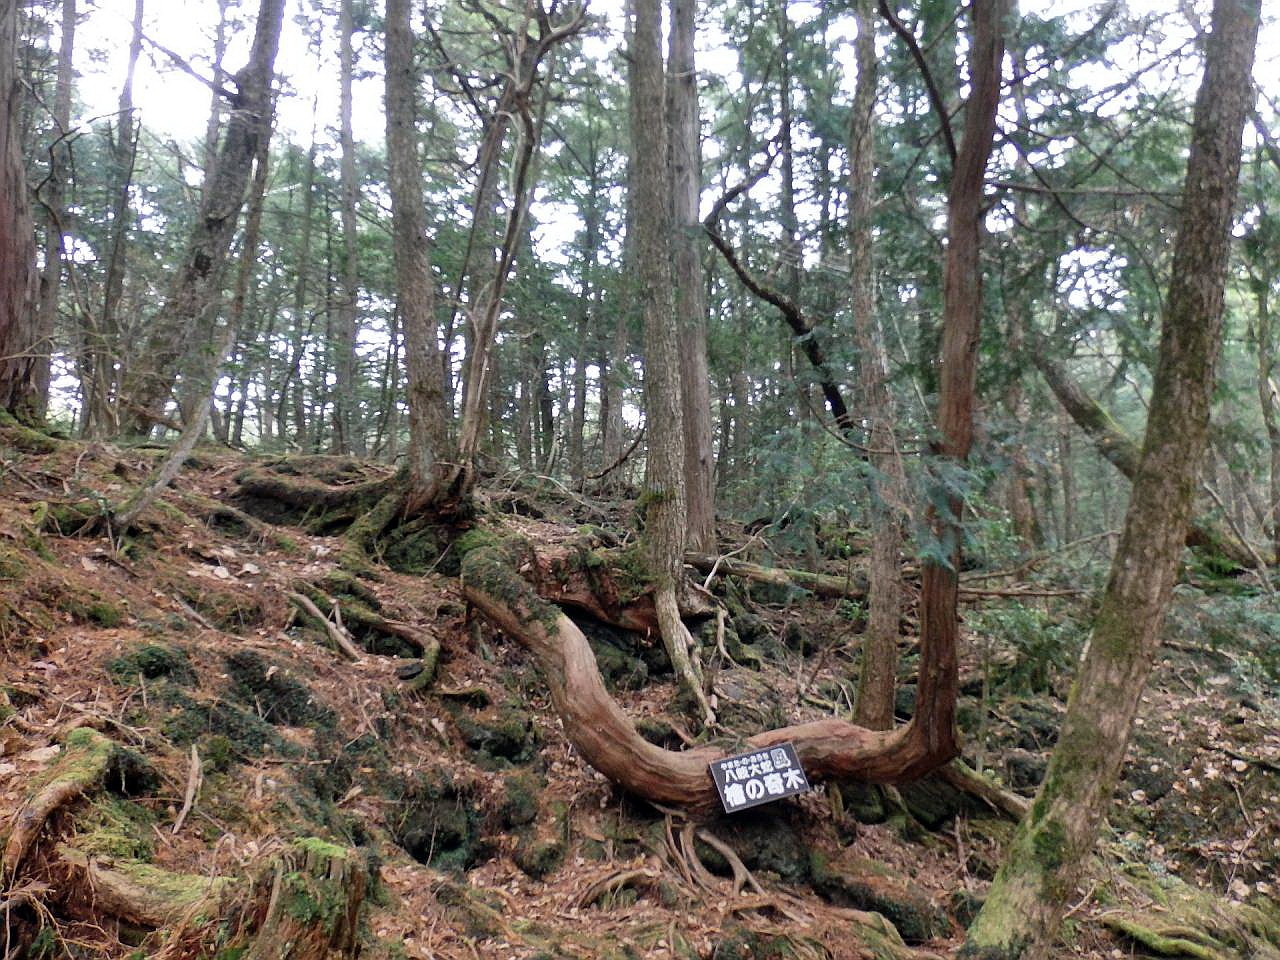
column 608, row 740
column 609, row 584
column 307, row 494
column 139, row 894
column 82, row 768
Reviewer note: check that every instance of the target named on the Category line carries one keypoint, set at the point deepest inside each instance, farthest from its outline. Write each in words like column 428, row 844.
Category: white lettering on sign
column 750, row 779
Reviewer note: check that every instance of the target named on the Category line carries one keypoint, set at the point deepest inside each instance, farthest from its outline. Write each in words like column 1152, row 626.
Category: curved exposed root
column 611, row 884
column 608, row 739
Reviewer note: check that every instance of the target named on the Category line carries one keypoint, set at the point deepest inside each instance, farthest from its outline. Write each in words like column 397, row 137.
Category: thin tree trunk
column 347, row 436
column 962, row 315
column 53, row 197
column 878, row 674
column 664, row 499
column 187, row 315
column 429, row 446
column 99, row 379
column 1047, row 856
column 1269, row 400
column 690, row 298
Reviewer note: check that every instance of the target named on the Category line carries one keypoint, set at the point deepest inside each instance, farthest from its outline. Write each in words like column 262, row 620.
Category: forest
column 710, row 479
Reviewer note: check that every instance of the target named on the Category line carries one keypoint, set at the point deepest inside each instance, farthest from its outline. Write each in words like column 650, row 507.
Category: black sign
column 761, row 776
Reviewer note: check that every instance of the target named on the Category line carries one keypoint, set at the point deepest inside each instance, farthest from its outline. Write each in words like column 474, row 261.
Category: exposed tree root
column 612, row 883
column 608, row 740
column 139, row 894
column 81, row 769
column 967, row 780
column 336, row 632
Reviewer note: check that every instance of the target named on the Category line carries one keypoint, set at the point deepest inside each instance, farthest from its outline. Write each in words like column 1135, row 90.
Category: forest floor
column 236, row 729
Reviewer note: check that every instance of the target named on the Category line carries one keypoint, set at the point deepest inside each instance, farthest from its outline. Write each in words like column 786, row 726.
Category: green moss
column 188, row 720
column 153, row 661
column 105, row 614
column 539, row 856
column 1049, row 841
column 475, row 539
column 437, row 822
column 503, row 734
column 13, row 564
column 519, row 804
column 116, row 829
column 273, row 692
column 492, row 571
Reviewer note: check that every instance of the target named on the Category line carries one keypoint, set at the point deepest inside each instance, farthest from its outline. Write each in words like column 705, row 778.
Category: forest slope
column 205, row 732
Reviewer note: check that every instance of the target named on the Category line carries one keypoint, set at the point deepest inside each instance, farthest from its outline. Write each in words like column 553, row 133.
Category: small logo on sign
column 762, row 776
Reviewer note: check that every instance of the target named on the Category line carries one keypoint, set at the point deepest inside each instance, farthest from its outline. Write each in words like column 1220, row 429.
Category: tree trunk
column 99, row 378
column 1048, row 854
column 690, row 298
column 53, row 197
column 347, row 436
column 664, row 499
column 187, row 315
column 962, row 315
column 878, row 673
column 1269, row 400
column 18, row 381
column 429, row 446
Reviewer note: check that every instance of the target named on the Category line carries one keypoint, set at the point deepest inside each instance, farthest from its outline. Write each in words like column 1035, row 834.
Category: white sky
column 175, row 105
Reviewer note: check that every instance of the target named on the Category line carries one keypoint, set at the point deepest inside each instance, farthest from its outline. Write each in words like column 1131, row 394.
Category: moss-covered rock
column 519, row 804
column 438, row 822
column 499, row 735
column 539, row 856
column 273, row 692
column 153, row 661
column 187, row 720
column 868, row 885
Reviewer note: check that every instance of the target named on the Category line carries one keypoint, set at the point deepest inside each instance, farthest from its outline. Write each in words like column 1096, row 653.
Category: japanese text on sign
column 750, row 779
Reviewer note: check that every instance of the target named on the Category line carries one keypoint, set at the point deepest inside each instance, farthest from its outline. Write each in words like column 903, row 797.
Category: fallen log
column 609, row 742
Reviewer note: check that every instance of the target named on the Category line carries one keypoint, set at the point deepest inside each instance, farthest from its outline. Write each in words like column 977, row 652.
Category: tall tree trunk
column 690, row 295
column 53, row 197
column 1047, row 856
column 878, row 674
column 187, row 316
column 429, row 446
column 18, row 382
column 1269, row 400
column 664, row 499
column 962, row 316
column 99, row 378
column 347, row 435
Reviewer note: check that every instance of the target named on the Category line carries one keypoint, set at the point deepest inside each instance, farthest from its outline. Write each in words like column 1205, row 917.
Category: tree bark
column 962, row 315
column 347, row 437
column 53, row 198
column 1047, row 856
column 429, row 444
column 187, row 315
column 607, row 738
column 877, row 676
column 689, row 285
column 18, row 380
column 664, row 501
